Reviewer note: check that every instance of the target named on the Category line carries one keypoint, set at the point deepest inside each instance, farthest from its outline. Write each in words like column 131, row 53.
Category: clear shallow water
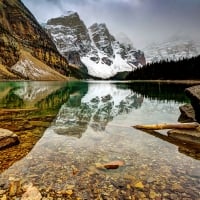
column 92, row 125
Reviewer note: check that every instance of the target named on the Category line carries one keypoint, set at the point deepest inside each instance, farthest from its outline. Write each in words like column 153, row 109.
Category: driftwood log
column 192, row 125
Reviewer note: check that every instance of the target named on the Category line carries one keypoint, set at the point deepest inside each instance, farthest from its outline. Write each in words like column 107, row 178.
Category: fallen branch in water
column 192, row 125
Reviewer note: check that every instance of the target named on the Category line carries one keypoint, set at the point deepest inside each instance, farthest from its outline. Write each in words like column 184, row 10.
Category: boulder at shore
column 187, row 113
column 194, row 94
column 7, row 138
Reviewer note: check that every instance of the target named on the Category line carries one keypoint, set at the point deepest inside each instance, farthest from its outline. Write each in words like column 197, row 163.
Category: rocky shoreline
column 194, row 95
column 190, row 113
column 17, row 137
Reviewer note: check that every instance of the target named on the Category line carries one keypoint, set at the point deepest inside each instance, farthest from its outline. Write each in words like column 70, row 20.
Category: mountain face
column 175, row 48
column 99, row 51
column 26, row 51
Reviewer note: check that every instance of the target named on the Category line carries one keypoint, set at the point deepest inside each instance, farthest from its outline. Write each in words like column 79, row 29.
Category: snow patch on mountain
column 31, row 68
column 102, row 70
column 27, row 68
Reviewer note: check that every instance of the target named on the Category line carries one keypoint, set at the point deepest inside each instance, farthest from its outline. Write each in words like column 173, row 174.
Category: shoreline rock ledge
column 7, row 138
column 194, row 95
column 190, row 113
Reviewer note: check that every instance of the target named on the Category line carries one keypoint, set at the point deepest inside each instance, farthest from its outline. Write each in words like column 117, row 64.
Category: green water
column 91, row 125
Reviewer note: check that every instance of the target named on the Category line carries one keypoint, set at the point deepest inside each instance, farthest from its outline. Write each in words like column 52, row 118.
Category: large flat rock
column 7, row 138
column 186, row 135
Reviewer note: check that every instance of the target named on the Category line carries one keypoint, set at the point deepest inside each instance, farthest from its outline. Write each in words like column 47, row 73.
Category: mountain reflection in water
column 101, row 104
column 92, row 124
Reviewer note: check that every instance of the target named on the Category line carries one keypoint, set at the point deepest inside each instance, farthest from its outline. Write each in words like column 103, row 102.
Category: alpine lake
column 69, row 130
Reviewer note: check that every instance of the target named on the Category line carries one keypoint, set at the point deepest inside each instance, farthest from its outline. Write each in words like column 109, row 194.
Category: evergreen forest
column 185, row 69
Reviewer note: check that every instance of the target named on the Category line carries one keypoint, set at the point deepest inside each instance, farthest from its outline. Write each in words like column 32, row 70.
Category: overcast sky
column 143, row 21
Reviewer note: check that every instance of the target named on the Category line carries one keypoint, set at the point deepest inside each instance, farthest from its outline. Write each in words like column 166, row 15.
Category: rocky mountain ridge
column 99, row 51
column 25, row 46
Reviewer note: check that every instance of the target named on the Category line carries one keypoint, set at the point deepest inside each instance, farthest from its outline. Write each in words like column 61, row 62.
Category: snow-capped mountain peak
column 99, row 51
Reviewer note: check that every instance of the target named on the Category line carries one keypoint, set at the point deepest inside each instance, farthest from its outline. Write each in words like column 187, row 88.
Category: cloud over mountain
column 144, row 21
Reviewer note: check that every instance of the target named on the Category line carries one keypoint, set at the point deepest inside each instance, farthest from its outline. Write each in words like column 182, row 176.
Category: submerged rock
column 32, row 193
column 7, row 138
column 114, row 164
column 139, row 185
column 110, row 165
column 14, row 187
column 194, row 172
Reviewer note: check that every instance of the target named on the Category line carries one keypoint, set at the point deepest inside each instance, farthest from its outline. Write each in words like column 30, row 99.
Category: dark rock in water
column 188, row 136
column 194, row 94
column 110, row 165
column 187, row 113
column 7, row 139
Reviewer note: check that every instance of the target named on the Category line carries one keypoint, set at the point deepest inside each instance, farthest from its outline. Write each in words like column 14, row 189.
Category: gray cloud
column 144, row 21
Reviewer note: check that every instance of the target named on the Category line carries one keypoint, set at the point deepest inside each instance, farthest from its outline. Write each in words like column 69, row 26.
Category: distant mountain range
column 175, row 48
column 102, row 55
